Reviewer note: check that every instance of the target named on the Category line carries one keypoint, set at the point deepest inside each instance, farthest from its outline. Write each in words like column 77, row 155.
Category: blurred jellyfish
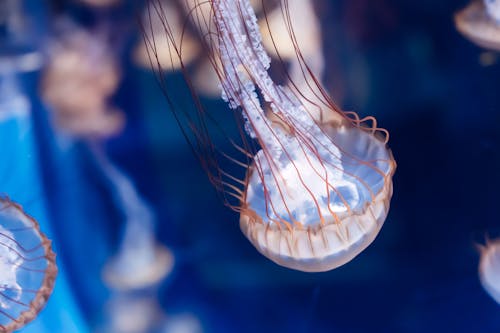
column 318, row 180
column 489, row 268
column 182, row 323
column 27, row 267
column 294, row 36
column 80, row 77
column 154, row 29
column 277, row 39
column 141, row 262
column 100, row 3
column 480, row 22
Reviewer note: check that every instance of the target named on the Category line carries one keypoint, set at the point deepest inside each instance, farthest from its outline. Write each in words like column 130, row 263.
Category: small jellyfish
column 318, row 181
column 480, row 22
column 27, row 267
column 80, row 77
column 489, row 268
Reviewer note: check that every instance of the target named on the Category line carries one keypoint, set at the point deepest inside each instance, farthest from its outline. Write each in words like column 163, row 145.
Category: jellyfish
column 489, row 268
column 79, row 78
column 27, row 267
column 480, row 22
column 141, row 262
column 317, row 181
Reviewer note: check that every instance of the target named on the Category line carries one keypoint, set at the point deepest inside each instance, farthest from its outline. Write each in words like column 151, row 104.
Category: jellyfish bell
column 27, row 267
column 318, row 183
column 489, row 268
column 315, row 212
column 480, row 22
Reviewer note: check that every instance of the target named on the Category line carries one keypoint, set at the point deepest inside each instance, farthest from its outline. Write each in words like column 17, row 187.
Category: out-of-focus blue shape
column 20, row 180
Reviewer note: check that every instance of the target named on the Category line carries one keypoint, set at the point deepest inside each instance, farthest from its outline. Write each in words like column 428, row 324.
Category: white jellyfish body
column 489, row 269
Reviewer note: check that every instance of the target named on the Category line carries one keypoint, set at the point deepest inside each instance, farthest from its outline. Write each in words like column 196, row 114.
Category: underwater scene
column 220, row 166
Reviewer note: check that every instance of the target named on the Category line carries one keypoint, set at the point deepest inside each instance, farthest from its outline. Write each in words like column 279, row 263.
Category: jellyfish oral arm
column 245, row 63
column 304, row 161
